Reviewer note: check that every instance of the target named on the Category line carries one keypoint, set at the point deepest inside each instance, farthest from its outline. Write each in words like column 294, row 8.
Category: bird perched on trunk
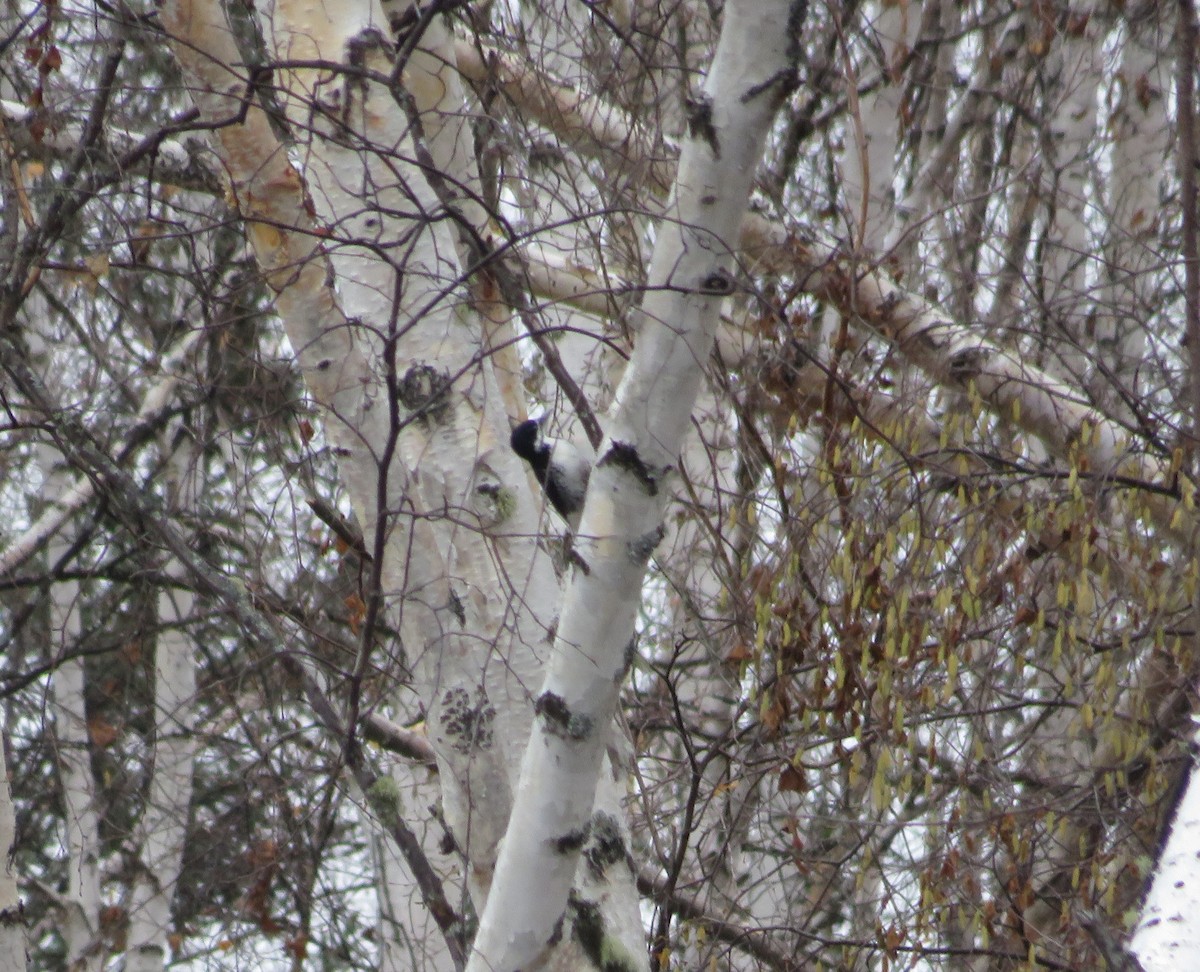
column 561, row 466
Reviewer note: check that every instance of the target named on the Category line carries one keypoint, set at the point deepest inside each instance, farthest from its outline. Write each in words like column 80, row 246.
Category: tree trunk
column 689, row 278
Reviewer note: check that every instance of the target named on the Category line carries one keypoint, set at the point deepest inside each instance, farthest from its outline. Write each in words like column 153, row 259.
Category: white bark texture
column 409, row 936
column 81, row 904
column 1167, row 937
column 1055, row 415
column 12, row 922
column 478, row 712
column 432, row 79
column 1030, row 271
column 622, row 521
column 164, row 821
column 1141, row 135
column 870, row 168
column 1073, row 77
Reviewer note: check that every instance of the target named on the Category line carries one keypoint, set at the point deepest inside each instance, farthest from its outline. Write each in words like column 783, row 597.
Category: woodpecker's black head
column 561, row 466
column 526, row 438
column 528, row 443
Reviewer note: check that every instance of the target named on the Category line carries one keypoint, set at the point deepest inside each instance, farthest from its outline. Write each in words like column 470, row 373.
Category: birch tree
column 875, row 646
column 12, row 925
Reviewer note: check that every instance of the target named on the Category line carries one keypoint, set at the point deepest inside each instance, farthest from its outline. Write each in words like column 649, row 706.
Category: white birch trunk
column 432, row 79
column 622, row 520
column 1167, row 937
column 344, row 367
column 409, row 939
column 1140, row 143
column 424, row 328
column 13, row 956
column 1050, row 412
column 1073, row 70
column 163, row 826
column 870, row 168
column 81, row 904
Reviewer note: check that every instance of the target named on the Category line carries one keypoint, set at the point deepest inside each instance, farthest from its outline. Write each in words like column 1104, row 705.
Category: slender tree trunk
column 164, row 822
column 622, row 521
column 408, row 936
column 81, row 904
column 12, row 919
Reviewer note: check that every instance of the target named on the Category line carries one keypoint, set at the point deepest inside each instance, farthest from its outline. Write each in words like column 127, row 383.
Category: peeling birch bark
column 428, row 386
column 433, row 82
column 1049, row 399
column 343, row 367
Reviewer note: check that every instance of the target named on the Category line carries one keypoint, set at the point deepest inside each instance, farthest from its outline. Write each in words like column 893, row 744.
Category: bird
column 561, row 466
